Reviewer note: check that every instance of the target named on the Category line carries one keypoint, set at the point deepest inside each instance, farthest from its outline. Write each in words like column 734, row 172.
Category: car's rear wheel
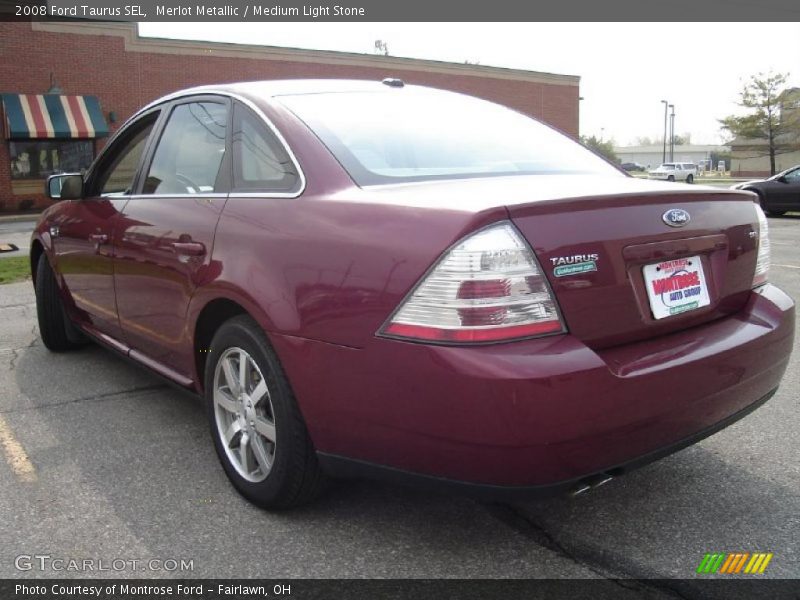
column 258, row 431
column 57, row 331
column 671, row 178
column 689, row 178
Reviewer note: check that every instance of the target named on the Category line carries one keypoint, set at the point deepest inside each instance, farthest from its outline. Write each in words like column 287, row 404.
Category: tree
column 762, row 96
column 604, row 148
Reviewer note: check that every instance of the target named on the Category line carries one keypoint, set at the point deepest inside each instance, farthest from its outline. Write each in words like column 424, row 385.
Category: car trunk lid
column 602, row 253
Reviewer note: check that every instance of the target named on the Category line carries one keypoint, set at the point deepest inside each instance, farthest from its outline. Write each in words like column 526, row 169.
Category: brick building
column 76, row 81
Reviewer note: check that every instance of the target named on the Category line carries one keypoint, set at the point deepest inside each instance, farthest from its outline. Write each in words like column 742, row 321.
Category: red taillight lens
column 487, row 288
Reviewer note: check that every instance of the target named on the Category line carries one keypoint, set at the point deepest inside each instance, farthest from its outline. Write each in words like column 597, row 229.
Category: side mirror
column 782, row 179
column 67, row 186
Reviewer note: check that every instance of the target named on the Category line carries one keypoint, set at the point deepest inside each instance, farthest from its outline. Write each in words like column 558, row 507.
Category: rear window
column 417, row 135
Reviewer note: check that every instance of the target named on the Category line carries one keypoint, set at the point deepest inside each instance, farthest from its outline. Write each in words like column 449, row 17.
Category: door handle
column 189, row 248
column 98, row 238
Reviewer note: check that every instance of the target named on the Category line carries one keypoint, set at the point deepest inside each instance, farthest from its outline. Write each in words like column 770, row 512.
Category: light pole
column 672, row 133
column 664, row 153
column 602, row 133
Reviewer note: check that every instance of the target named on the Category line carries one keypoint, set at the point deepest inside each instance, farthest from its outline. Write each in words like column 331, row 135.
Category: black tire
column 295, row 477
column 57, row 331
column 671, row 178
column 690, row 178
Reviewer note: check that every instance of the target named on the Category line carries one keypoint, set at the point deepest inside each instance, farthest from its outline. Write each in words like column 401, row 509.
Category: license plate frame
column 676, row 286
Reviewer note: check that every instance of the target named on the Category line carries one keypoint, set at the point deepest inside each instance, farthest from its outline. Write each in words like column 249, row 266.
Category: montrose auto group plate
column 676, row 286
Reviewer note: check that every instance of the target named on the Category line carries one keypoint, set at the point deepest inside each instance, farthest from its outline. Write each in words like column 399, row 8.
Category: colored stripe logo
column 734, row 563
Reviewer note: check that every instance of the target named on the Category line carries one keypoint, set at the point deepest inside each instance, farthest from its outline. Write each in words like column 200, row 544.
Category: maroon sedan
column 393, row 281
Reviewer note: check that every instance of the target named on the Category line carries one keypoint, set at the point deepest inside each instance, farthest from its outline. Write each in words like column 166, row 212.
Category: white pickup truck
column 675, row 171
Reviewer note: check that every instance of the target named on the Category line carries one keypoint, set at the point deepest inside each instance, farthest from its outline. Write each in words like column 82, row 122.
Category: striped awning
column 52, row 116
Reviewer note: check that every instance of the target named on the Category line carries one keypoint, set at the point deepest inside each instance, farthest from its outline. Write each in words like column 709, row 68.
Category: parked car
column 632, row 166
column 675, row 172
column 778, row 194
column 398, row 282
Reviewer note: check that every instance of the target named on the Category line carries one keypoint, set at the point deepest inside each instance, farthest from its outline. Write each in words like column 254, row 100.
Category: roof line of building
column 136, row 43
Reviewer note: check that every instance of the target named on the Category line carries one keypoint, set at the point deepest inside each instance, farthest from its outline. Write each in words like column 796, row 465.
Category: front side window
column 117, row 174
column 260, row 162
column 38, row 159
column 415, row 135
column 189, row 154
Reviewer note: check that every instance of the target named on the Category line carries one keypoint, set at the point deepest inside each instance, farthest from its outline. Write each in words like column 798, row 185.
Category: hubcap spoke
column 244, row 453
column 230, row 433
column 243, row 366
column 259, row 392
column 230, row 376
column 224, row 400
column 261, row 454
column 265, row 428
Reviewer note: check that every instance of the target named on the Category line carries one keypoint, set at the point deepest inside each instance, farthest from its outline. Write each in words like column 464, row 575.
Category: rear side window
column 189, row 154
column 260, row 161
column 411, row 134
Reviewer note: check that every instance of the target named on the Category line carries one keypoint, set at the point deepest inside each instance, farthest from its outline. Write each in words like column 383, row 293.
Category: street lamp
column 672, row 133
column 664, row 153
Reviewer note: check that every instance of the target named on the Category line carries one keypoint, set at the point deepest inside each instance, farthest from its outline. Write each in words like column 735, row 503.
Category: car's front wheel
column 671, row 178
column 57, row 331
column 258, row 431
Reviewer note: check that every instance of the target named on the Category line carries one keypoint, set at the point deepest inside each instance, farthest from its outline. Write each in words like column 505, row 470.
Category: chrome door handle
column 189, row 248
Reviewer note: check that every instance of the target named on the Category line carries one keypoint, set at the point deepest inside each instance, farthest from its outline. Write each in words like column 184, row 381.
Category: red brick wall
column 124, row 81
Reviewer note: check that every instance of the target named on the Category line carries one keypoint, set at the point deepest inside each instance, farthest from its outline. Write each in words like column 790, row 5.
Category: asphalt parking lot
column 113, row 464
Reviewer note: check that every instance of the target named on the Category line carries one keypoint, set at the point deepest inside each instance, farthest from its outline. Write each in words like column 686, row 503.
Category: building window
column 38, row 159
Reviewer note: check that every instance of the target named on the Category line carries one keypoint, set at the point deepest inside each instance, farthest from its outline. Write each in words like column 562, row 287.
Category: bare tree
column 381, row 47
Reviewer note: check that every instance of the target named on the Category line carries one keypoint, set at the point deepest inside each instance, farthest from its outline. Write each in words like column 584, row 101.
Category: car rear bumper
column 348, row 468
column 537, row 413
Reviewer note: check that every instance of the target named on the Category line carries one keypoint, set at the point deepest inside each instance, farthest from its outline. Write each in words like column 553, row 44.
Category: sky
column 626, row 69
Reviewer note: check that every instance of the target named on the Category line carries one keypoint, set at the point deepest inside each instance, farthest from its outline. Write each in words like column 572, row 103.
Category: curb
column 19, row 218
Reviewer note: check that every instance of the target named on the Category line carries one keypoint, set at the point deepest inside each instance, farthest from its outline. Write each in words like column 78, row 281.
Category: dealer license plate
column 676, row 286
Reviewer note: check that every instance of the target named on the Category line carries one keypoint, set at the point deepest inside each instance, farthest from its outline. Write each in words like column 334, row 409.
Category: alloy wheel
column 244, row 414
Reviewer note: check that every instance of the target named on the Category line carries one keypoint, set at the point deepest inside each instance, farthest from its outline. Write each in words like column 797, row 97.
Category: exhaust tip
column 590, row 483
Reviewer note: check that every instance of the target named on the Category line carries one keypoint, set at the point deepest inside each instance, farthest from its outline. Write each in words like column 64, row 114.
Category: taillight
column 487, row 288
column 763, row 260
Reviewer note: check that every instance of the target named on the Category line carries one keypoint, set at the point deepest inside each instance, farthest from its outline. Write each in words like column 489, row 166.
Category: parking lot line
column 787, row 266
column 16, row 457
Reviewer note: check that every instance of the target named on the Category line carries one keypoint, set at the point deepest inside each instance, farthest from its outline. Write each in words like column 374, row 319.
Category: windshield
column 417, row 135
column 667, row 166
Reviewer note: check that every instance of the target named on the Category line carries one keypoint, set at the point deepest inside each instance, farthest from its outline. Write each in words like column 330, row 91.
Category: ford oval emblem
column 676, row 217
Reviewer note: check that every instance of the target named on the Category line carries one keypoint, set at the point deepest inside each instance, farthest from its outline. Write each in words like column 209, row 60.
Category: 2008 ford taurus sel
column 379, row 279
